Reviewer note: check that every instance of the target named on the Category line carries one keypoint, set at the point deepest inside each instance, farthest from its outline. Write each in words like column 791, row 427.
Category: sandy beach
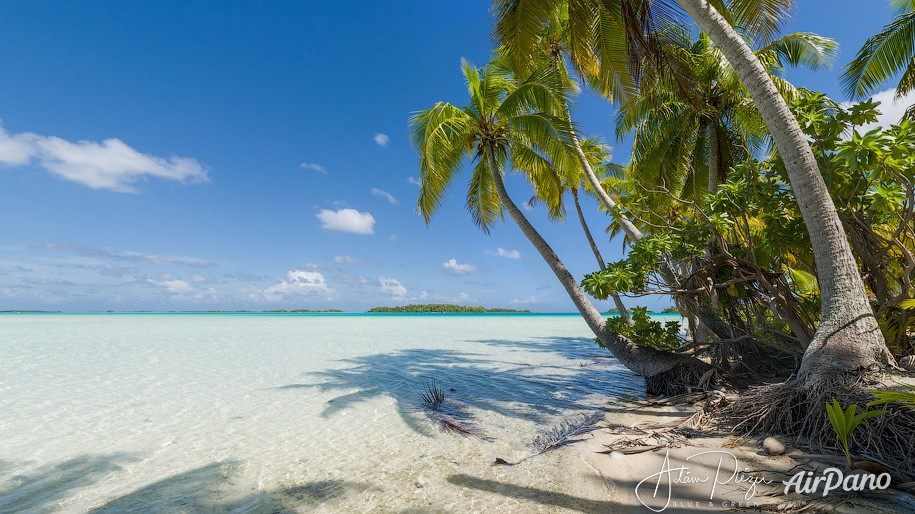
column 235, row 413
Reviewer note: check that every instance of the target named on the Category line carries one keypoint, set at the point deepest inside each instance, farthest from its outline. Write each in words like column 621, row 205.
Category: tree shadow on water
column 517, row 388
column 202, row 490
column 573, row 348
column 41, row 489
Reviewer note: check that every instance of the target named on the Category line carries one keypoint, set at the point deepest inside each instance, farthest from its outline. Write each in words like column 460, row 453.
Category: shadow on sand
column 200, row 490
column 197, row 490
column 519, row 388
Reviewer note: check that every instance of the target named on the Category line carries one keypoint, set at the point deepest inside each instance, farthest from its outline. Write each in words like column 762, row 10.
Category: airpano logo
column 832, row 479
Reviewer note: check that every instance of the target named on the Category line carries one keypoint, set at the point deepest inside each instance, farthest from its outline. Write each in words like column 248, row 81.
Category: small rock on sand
column 773, row 446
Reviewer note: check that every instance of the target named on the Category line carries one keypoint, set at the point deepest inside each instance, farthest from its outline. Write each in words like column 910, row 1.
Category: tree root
column 795, row 409
column 684, row 378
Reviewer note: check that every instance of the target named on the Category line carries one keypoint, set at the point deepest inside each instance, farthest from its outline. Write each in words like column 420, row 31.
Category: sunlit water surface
column 261, row 413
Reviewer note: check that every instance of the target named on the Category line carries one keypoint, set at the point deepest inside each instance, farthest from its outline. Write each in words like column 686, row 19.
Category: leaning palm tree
column 518, row 126
column 692, row 120
column 593, row 51
column 848, row 339
column 884, row 55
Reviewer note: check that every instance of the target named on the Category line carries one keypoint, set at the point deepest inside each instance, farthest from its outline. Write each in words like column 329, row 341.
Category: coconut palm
column 692, row 120
column 587, row 45
column 847, row 323
column 596, row 155
column 509, row 126
column 884, row 55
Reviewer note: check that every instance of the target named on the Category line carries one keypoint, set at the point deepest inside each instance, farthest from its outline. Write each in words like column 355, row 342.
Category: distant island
column 306, row 310
column 440, row 307
column 671, row 310
column 26, row 311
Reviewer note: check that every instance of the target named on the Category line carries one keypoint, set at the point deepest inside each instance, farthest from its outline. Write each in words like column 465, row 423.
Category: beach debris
column 566, row 432
column 907, row 363
column 773, row 446
column 449, row 415
column 432, row 395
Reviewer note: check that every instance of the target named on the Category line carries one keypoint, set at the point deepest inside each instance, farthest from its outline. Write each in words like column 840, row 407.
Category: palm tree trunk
column 714, row 171
column 672, row 279
column 620, row 307
column 643, row 361
column 848, row 338
column 628, row 227
column 714, row 157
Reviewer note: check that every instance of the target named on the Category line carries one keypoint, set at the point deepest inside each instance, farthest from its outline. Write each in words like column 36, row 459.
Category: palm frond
column 881, row 57
column 482, row 199
column 441, row 135
column 799, row 49
column 519, row 27
column 761, row 20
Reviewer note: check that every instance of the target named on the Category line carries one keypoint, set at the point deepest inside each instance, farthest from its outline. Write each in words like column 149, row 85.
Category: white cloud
column 381, row 193
column 891, row 110
column 179, row 289
column 345, row 259
column 299, row 282
column 524, row 301
column 16, row 149
column 502, row 252
column 414, row 181
column 454, row 267
column 313, row 166
column 347, row 220
column 382, row 140
column 174, row 286
column 111, row 164
column 117, row 255
column 392, row 286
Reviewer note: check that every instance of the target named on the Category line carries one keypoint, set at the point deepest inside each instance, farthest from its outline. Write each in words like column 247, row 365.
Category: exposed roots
column 684, row 378
column 797, row 410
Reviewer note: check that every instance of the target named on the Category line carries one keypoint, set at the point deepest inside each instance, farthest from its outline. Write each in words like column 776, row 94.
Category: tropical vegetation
column 783, row 231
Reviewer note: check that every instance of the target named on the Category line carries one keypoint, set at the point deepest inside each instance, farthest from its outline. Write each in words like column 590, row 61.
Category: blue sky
column 254, row 155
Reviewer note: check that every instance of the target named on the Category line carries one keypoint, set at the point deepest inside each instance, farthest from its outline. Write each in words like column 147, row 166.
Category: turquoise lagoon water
column 290, row 412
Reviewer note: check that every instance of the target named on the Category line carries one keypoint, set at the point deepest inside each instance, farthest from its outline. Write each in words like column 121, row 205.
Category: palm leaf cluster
column 513, row 124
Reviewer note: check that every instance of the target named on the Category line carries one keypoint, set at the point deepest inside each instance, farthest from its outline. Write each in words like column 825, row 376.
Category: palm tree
column 507, row 126
column 693, row 120
column 561, row 36
column 595, row 154
column 884, row 55
column 848, row 338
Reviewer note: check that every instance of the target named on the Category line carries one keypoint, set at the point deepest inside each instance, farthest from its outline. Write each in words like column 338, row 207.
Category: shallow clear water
column 260, row 413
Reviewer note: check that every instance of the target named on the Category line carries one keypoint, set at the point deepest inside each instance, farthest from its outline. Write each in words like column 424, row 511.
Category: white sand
column 191, row 413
